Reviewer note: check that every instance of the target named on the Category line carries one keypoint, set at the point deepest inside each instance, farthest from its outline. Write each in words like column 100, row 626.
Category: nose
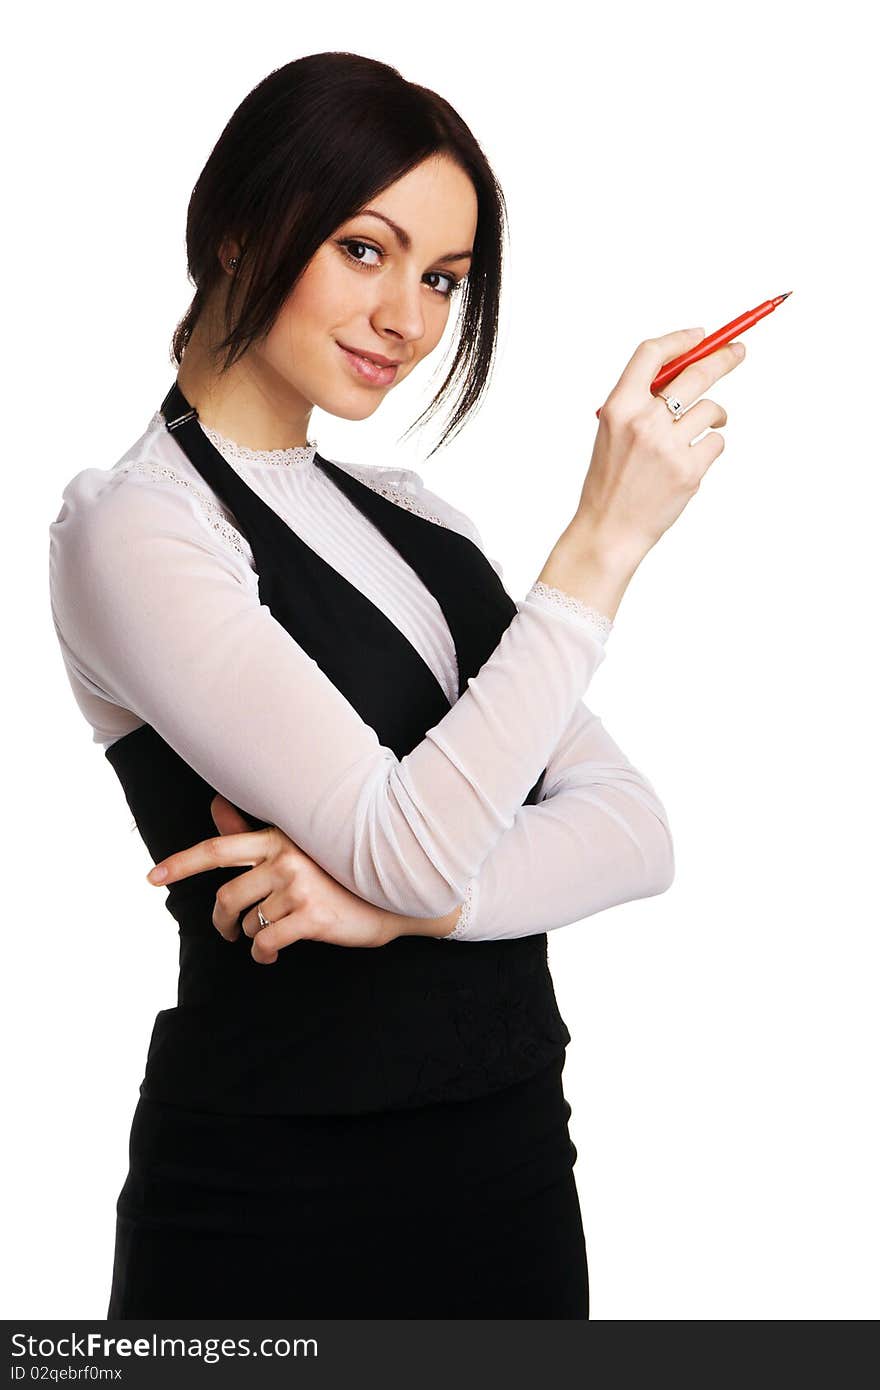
column 400, row 310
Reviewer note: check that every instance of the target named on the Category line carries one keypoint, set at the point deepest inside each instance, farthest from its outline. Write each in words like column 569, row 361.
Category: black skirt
column 466, row 1209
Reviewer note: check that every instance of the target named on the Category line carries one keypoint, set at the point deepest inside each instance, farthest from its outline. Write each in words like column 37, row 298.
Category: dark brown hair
column 306, row 149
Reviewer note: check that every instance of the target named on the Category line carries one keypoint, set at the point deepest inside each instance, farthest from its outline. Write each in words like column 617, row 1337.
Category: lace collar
column 297, row 456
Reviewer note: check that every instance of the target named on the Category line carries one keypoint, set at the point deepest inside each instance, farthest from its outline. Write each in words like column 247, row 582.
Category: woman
column 318, row 661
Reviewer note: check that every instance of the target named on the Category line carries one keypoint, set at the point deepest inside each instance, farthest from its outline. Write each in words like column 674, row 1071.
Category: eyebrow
column 405, row 240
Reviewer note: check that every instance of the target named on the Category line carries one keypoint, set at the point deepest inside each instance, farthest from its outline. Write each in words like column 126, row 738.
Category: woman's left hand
column 301, row 901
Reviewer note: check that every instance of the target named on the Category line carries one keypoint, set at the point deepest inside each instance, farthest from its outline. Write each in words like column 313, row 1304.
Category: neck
column 247, row 404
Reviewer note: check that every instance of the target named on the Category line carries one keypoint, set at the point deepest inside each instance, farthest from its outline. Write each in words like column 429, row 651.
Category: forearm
column 564, row 861
column 589, row 568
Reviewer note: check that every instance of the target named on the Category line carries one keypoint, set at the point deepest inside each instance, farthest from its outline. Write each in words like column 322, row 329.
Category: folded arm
column 155, row 614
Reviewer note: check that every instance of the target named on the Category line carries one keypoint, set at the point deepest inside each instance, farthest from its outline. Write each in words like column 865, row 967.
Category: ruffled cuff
column 567, row 606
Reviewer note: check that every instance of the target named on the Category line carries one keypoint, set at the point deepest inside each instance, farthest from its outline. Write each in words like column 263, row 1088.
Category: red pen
column 713, row 342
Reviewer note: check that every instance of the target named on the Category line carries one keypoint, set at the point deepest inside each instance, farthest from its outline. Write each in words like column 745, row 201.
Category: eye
column 346, row 243
column 363, row 246
column 453, row 283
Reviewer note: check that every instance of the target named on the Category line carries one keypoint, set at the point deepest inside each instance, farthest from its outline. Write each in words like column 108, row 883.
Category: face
column 364, row 290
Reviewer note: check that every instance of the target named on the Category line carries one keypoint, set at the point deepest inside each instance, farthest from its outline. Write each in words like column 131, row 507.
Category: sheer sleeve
column 158, row 618
column 599, row 836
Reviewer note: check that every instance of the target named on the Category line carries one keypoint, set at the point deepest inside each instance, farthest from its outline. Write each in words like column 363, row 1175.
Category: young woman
column 355, row 1108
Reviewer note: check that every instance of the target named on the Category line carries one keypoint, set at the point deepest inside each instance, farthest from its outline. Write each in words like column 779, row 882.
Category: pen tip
column 787, row 293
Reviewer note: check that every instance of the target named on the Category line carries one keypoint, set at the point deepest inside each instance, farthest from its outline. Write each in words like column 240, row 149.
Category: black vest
column 334, row 1029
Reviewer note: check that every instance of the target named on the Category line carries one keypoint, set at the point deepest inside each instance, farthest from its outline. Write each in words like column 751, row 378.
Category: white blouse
column 156, row 607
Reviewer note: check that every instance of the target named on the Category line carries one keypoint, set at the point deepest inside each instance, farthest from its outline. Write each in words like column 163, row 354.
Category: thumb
column 227, row 818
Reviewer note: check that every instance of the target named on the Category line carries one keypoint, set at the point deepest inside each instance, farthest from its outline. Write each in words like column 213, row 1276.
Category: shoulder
column 94, row 493
column 109, row 515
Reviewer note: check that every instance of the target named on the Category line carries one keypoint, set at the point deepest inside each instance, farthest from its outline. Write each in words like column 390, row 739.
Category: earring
column 233, row 262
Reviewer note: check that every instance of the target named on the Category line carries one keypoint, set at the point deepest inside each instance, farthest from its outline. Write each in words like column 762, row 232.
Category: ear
column 229, row 248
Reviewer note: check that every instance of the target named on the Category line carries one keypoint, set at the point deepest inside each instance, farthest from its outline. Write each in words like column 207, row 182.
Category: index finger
column 650, row 356
column 220, row 851
column 696, row 377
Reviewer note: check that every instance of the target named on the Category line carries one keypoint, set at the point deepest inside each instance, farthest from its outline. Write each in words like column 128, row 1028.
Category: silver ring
column 673, row 404
column 263, row 921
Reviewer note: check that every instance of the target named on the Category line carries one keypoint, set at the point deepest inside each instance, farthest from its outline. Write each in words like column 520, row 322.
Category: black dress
column 355, row 1132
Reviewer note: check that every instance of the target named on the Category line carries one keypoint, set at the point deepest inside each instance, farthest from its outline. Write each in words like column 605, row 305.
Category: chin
column 350, row 406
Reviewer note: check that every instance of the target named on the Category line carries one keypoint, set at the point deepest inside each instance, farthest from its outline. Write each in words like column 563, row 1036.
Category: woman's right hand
column 643, row 471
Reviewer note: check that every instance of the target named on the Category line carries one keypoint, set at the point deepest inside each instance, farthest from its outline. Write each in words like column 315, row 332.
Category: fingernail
column 157, row 875
column 739, row 349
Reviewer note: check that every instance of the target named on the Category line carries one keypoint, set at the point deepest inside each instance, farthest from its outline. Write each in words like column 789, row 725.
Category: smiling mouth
column 367, row 371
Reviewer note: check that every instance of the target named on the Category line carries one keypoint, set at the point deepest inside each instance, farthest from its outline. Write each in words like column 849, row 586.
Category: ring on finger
column 673, row 404
column 263, row 921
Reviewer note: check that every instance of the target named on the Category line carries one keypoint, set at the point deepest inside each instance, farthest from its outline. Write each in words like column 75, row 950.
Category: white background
column 663, row 167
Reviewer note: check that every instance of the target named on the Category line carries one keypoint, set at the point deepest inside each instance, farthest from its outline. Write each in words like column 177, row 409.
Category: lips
column 371, row 356
column 367, row 371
